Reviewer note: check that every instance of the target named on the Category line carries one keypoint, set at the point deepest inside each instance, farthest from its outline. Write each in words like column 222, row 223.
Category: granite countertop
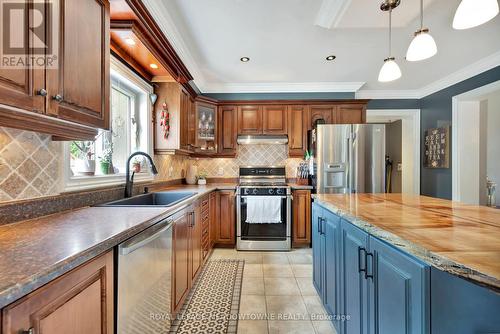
column 461, row 239
column 34, row 252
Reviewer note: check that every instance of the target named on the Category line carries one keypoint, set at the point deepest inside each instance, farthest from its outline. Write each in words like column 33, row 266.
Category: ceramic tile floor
column 278, row 296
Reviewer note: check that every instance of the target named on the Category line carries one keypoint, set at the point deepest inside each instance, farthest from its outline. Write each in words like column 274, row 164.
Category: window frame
column 75, row 183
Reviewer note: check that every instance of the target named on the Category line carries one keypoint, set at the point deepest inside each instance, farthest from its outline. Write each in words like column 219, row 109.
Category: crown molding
column 388, row 94
column 283, row 87
column 465, row 73
column 160, row 13
column 331, row 12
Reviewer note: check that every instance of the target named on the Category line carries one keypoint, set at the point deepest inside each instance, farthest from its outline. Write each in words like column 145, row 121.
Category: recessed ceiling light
column 245, row 59
column 129, row 41
column 153, row 66
column 331, row 57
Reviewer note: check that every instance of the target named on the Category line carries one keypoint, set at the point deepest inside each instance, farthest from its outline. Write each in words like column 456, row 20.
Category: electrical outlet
column 220, row 171
column 400, row 167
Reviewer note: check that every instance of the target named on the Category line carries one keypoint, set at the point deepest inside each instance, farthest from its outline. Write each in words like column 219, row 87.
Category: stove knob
column 280, row 191
column 246, row 191
column 271, row 191
column 255, row 191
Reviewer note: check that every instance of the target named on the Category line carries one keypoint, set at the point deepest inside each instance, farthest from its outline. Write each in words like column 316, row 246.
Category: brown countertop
column 454, row 237
column 34, row 252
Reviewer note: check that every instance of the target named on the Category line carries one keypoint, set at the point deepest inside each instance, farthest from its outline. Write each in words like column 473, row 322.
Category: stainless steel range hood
column 262, row 140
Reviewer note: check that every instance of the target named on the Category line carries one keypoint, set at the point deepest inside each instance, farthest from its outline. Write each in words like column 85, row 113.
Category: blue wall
column 436, row 110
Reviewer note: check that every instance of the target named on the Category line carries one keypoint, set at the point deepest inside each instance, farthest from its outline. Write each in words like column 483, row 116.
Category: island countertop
column 461, row 239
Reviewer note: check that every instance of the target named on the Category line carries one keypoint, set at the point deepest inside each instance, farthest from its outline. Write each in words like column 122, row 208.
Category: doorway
column 409, row 168
column 475, row 148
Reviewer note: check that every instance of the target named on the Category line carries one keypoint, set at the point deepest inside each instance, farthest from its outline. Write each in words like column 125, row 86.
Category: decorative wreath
column 165, row 120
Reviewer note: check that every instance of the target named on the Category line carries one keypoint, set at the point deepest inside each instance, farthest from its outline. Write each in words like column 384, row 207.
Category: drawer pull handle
column 58, row 97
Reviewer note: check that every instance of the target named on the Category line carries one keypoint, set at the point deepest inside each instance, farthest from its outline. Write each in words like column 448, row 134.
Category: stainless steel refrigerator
column 348, row 158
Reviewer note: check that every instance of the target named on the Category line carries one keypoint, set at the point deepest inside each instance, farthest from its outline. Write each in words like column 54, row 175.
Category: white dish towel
column 263, row 210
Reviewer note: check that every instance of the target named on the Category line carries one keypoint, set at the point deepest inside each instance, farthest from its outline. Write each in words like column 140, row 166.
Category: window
column 102, row 161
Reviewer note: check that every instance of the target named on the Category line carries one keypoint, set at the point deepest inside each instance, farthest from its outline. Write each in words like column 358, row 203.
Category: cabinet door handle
column 29, row 331
column 58, row 97
column 319, row 225
column 41, row 92
column 367, row 275
column 361, row 249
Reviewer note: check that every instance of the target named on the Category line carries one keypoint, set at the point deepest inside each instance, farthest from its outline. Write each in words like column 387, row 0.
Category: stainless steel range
column 263, row 205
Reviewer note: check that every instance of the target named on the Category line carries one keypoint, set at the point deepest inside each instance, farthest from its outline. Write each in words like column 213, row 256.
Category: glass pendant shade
column 472, row 13
column 390, row 71
column 421, row 47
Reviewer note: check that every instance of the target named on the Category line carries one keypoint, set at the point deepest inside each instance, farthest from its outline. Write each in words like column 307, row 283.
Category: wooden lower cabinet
column 180, row 270
column 79, row 302
column 213, row 218
column 225, row 226
column 301, row 218
column 195, row 247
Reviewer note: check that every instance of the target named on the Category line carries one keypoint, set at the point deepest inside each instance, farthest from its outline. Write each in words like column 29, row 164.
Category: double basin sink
column 166, row 198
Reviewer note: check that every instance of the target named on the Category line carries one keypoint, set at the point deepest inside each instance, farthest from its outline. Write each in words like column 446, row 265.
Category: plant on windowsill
column 82, row 153
column 136, row 165
column 106, row 159
column 202, row 178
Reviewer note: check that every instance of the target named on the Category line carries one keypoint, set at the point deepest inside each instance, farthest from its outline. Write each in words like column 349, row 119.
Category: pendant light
column 472, row 13
column 423, row 45
column 390, row 70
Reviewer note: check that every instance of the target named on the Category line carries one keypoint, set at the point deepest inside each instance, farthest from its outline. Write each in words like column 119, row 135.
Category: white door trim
column 458, row 127
column 411, row 126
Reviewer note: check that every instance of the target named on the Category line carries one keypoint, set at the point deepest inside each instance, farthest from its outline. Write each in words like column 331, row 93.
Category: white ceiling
column 287, row 47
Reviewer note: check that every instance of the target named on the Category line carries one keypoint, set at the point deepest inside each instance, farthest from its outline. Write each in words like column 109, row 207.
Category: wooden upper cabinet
column 79, row 302
column 19, row 86
column 191, row 118
column 250, row 120
column 298, row 124
column 227, row 130
column 322, row 112
column 350, row 113
column 78, row 89
column 184, row 108
column 274, row 119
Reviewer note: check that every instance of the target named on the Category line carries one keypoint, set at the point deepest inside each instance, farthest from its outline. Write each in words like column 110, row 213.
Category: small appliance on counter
column 347, row 158
column 263, row 207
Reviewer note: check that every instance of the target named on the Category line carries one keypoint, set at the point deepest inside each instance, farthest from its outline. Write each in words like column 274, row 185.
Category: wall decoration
column 165, row 120
column 437, row 148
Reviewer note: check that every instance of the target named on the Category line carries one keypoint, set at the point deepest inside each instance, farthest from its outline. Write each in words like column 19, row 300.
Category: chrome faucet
column 129, row 179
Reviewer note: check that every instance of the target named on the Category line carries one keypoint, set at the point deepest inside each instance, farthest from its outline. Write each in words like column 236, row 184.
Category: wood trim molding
column 166, row 53
column 291, row 102
column 25, row 120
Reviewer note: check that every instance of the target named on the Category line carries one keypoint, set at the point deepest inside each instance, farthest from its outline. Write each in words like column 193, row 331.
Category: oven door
column 263, row 231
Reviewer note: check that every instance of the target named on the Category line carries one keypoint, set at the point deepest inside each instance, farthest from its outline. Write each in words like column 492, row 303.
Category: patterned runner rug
column 214, row 302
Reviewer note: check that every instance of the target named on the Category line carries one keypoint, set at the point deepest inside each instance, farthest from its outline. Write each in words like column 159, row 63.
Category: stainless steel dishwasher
column 144, row 280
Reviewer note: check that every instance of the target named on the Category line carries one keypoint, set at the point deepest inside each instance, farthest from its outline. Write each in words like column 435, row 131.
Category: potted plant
column 106, row 159
column 202, row 178
column 136, row 165
column 82, row 154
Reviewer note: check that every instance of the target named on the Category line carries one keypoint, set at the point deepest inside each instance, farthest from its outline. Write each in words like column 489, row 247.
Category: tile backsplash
column 249, row 155
column 29, row 165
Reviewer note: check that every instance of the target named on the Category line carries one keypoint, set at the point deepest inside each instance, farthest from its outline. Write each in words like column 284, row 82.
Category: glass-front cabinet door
column 206, row 127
